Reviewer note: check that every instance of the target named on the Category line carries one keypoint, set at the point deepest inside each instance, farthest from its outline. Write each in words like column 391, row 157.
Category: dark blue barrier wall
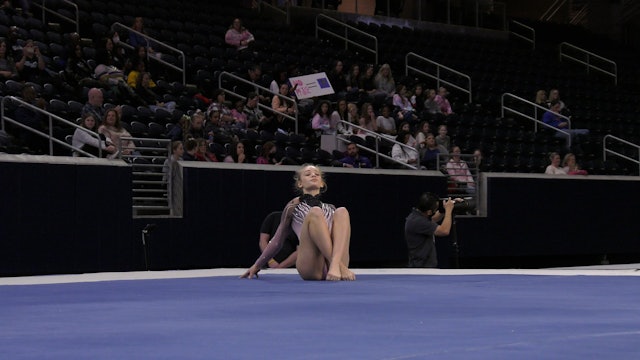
column 64, row 215
column 544, row 216
column 224, row 206
column 74, row 216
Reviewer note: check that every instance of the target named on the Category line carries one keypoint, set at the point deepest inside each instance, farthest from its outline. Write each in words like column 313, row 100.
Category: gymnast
column 323, row 231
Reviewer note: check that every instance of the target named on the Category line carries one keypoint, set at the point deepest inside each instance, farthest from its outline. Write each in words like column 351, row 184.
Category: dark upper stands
column 496, row 66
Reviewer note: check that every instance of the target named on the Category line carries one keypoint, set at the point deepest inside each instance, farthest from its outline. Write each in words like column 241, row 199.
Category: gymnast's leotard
column 292, row 219
column 302, row 209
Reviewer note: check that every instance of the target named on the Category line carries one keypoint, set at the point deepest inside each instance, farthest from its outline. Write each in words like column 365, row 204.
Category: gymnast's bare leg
column 319, row 247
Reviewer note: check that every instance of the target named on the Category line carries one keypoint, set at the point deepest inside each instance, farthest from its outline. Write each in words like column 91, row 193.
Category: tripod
column 146, row 234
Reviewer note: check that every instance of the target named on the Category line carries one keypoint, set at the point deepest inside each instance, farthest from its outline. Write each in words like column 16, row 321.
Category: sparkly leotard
column 302, row 209
column 292, row 219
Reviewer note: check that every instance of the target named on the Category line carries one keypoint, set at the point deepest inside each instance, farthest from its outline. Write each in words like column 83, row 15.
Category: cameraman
column 421, row 227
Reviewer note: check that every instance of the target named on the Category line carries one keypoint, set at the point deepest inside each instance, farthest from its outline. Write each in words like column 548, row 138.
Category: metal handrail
column 46, row 10
column 345, row 37
column 504, row 107
column 244, row 97
column 532, row 31
column 605, row 150
column 378, row 137
column 49, row 135
column 589, row 55
column 437, row 76
column 159, row 59
column 552, row 10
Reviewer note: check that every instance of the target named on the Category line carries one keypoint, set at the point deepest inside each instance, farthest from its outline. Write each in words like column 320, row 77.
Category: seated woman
column 236, row 153
column 112, row 129
column 148, row 97
column 85, row 141
column 554, row 168
column 459, row 172
column 323, row 230
column 404, row 154
column 570, row 165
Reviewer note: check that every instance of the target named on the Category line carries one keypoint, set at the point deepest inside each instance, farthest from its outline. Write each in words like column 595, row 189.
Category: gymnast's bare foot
column 346, row 274
column 334, row 273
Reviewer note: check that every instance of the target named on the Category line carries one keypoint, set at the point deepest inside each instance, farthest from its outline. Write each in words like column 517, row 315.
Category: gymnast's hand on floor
column 251, row 273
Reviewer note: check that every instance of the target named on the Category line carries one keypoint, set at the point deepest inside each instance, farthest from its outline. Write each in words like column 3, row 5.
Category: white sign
column 313, row 85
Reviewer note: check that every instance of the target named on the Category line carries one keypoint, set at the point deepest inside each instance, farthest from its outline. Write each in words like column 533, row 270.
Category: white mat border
column 613, row 270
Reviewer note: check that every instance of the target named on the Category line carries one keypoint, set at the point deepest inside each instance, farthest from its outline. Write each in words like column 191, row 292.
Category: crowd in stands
column 368, row 100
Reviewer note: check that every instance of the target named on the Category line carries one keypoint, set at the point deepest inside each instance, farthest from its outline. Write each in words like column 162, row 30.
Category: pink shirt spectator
column 238, row 36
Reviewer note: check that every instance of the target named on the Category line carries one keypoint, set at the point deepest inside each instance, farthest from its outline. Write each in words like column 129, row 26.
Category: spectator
column 431, row 157
column 280, row 76
column 236, row 153
column 268, row 154
column 14, row 45
column 32, row 119
column 384, row 81
column 478, row 160
column 403, row 109
column 353, row 159
column 541, row 98
column 406, row 154
column 558, row 121
column 442, row 138
column 255, row 84
column 85, row 141
column 321, row 121
column 421, row 136
column 354, row 92
column 367, row 119
column 239, row 117
column 352, row 118
column 458, row 171
column 8, row 69
column 385, row 123
column 340, row 113
column 110, row 54
column 417, row 99
column 287, row 255
column 404, row 126
column 220, row 104
column 31, row 67
column 215, row 128
column 554, row 168
column 139, row 55
column 177, row 150
column 421, row 227
column 338, row 80
column 177, row 131
column 431, row 106
column 148, row 97
column 94, row 105
column 203, row 153
column 443, row 102
column 282, row 107
column 238, row 36
column 190, row 150
column 137, row 39
column 139, row 67
column 195, row 128
column 554, row 95
column 255, row 116
column 368, row 86
column 570, row 165
column 78, row 71
column 112, row 129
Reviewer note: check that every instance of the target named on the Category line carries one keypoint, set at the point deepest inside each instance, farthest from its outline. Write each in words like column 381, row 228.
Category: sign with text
column 312, row 85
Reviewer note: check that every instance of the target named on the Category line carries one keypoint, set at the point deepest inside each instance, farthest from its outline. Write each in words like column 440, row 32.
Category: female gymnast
column 324, row 232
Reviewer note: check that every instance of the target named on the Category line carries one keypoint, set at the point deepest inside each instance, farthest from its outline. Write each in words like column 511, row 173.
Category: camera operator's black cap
column 427, row 201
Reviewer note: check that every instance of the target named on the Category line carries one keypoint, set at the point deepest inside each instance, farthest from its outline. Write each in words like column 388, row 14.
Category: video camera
column 461, row 205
